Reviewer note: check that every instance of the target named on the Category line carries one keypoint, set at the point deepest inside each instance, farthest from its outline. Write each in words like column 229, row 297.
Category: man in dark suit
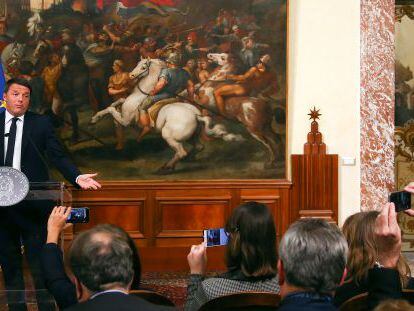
column 102, row 264
column 25, row 139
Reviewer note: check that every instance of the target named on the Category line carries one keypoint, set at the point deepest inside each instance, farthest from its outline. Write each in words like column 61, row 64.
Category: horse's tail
column 218, row 130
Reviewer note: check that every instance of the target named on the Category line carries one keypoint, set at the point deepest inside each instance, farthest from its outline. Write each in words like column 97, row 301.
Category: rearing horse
column 177, row 122
column 254, row 113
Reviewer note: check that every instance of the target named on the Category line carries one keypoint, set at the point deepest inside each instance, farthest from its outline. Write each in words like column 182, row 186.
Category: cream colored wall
column 324, row 71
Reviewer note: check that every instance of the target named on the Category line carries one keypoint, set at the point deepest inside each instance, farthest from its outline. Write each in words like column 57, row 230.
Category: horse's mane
column 159, row 61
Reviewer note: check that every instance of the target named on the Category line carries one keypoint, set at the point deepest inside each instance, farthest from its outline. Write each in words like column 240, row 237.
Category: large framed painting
column 157, row 89
column 404, row 108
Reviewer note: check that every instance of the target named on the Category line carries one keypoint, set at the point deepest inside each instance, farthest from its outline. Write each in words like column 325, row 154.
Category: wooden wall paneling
column 315, row 187
column 315, row 178
column 181, row 216
column 297, row 186
column 122, row 208
column 166, row 218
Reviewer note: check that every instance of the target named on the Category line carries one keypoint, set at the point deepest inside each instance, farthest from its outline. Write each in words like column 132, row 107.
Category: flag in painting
column 134, row 3
column 2, row 85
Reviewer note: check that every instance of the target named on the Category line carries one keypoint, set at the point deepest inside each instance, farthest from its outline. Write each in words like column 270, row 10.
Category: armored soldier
column 171, row 81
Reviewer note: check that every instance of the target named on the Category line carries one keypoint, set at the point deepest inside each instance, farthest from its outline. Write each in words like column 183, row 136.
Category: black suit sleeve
column 56, row 280
column 383, row 284
column 58, row 157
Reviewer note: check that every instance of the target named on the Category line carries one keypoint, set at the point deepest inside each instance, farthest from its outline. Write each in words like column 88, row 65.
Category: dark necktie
column 10, row 143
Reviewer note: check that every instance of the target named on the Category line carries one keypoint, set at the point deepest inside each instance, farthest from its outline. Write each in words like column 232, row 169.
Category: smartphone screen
column 401, row 200
column 79, row 215
column 216, row 237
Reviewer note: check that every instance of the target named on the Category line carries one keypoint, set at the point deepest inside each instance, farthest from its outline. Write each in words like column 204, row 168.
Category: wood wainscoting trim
column 166, row 217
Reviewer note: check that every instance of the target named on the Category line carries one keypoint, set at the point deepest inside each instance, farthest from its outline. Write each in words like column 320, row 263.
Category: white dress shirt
column 18, row 142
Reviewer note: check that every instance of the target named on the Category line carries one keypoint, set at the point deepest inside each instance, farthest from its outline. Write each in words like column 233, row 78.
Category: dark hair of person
column 251, row 247
column 19, row 81
column 136, row 281
column 101, row 259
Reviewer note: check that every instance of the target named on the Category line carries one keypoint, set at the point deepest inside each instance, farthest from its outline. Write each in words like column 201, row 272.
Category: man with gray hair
column 312, row 262
column 102, row 263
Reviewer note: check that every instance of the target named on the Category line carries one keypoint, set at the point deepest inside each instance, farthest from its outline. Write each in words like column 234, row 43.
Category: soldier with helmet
column 255, row 79
column 171, row 81
column 149, row 48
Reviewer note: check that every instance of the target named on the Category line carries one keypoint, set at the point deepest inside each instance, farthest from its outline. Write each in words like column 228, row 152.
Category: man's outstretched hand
column 86, row 182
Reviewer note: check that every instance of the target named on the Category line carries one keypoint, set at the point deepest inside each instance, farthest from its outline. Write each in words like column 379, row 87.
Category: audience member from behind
column 312, row 264
column 102, row 264
column 250, row 257
column 359, row 231
column 56, row 280
column 394, row 305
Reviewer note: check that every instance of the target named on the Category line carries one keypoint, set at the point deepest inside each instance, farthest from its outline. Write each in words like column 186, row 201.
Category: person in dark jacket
column 51, row 258
column 25, row 140
column 103, row 269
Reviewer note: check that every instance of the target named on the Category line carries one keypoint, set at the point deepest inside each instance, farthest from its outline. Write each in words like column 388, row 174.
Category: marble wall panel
column 377, row 102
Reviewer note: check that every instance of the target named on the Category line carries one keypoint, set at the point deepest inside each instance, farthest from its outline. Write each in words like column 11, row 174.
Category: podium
column 50, row 191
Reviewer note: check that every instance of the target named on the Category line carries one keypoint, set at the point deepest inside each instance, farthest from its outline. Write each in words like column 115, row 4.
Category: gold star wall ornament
column 314, row 114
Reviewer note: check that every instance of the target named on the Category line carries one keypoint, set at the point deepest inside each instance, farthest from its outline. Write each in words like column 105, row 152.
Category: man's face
column 17, row 99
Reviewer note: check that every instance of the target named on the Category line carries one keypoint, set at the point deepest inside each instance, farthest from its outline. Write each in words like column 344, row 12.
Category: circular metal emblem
column 14, row 186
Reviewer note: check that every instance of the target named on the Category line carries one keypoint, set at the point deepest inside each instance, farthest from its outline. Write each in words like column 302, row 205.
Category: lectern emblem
column 14, row 186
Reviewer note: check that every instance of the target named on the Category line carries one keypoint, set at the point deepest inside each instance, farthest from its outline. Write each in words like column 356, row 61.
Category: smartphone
column 216, row 237
column 79, row 215
column 401, row 200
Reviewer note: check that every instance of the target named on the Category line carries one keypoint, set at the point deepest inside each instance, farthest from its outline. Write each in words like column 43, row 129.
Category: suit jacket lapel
column 2, row 119
column 27, row 127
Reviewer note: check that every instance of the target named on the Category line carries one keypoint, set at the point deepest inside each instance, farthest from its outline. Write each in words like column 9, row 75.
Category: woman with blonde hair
column 359, row 231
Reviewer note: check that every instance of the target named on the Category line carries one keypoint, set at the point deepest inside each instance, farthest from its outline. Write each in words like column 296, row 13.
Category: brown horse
column 254, row 113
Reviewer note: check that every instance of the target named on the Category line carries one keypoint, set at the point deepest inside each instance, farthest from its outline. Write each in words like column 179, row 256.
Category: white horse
column 177, row 122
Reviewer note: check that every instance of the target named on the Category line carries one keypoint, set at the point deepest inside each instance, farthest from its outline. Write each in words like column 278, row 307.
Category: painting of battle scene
column 404, row 109
column 157, row 89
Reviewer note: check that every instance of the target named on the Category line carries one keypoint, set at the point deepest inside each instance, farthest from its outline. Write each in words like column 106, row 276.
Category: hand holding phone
column 197, row 259
column 57, row 223
column 401, row 200
column 78, row 215
column 216, row 237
